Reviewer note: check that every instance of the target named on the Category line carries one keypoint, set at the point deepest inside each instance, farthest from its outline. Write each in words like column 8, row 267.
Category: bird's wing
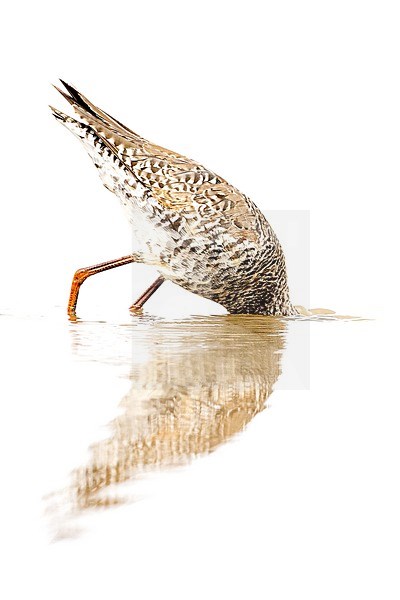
column 176, row 182
column 212, row 207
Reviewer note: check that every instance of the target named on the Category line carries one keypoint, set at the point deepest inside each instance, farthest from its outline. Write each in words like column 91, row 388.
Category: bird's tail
column 92, row 115
column 77, row 128
column 97, row 139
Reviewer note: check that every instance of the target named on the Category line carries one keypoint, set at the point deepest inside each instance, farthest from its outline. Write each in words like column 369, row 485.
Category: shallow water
column 142, row 443
column 193, row 385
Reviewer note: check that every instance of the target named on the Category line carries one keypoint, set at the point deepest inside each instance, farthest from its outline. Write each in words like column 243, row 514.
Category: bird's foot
column 136, row 310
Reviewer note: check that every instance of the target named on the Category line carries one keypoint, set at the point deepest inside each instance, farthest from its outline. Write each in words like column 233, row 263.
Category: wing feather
column 176, row 182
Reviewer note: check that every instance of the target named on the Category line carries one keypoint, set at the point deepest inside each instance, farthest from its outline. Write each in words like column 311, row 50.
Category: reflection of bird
column 204, row 381
column 193, row 226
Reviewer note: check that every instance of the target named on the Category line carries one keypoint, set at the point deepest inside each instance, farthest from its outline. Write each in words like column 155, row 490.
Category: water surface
column 142, row 445
column 194, row 384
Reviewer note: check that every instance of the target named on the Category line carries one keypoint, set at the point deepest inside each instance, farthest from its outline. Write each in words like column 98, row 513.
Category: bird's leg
column 136, row 306
column 82, row 274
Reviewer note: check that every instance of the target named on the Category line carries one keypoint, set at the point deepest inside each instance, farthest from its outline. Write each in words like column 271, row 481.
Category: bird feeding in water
column 195, row 228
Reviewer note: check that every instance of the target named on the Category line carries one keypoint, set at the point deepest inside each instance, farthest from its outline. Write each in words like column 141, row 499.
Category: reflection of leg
column 82, row 274
column 136, row 306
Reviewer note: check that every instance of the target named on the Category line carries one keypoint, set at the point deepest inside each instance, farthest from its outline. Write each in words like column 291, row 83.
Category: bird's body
column 198, row 230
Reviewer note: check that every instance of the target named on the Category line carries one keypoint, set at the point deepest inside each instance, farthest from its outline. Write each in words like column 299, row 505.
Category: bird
column 196, row 229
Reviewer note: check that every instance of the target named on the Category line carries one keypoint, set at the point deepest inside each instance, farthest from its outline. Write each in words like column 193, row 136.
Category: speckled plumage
column 198, row 230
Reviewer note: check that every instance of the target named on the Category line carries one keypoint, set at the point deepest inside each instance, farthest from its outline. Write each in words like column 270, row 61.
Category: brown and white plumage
column 193, row 226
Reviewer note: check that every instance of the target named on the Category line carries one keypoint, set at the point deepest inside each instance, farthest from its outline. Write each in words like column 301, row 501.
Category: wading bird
column 195, row 228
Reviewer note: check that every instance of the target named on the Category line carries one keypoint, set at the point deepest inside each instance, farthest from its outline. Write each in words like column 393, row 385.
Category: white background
column 297, row 104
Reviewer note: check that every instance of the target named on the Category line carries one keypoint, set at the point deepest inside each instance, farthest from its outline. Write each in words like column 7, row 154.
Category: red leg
column 82, row 274
column 136, row 306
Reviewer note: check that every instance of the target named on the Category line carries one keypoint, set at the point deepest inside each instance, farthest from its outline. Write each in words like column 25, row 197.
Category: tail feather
column 60, row 116
column 75, row 98
column 64, row 94
column 79, row 129
column 116, row 133
column 113, row 172
column 80, row 102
